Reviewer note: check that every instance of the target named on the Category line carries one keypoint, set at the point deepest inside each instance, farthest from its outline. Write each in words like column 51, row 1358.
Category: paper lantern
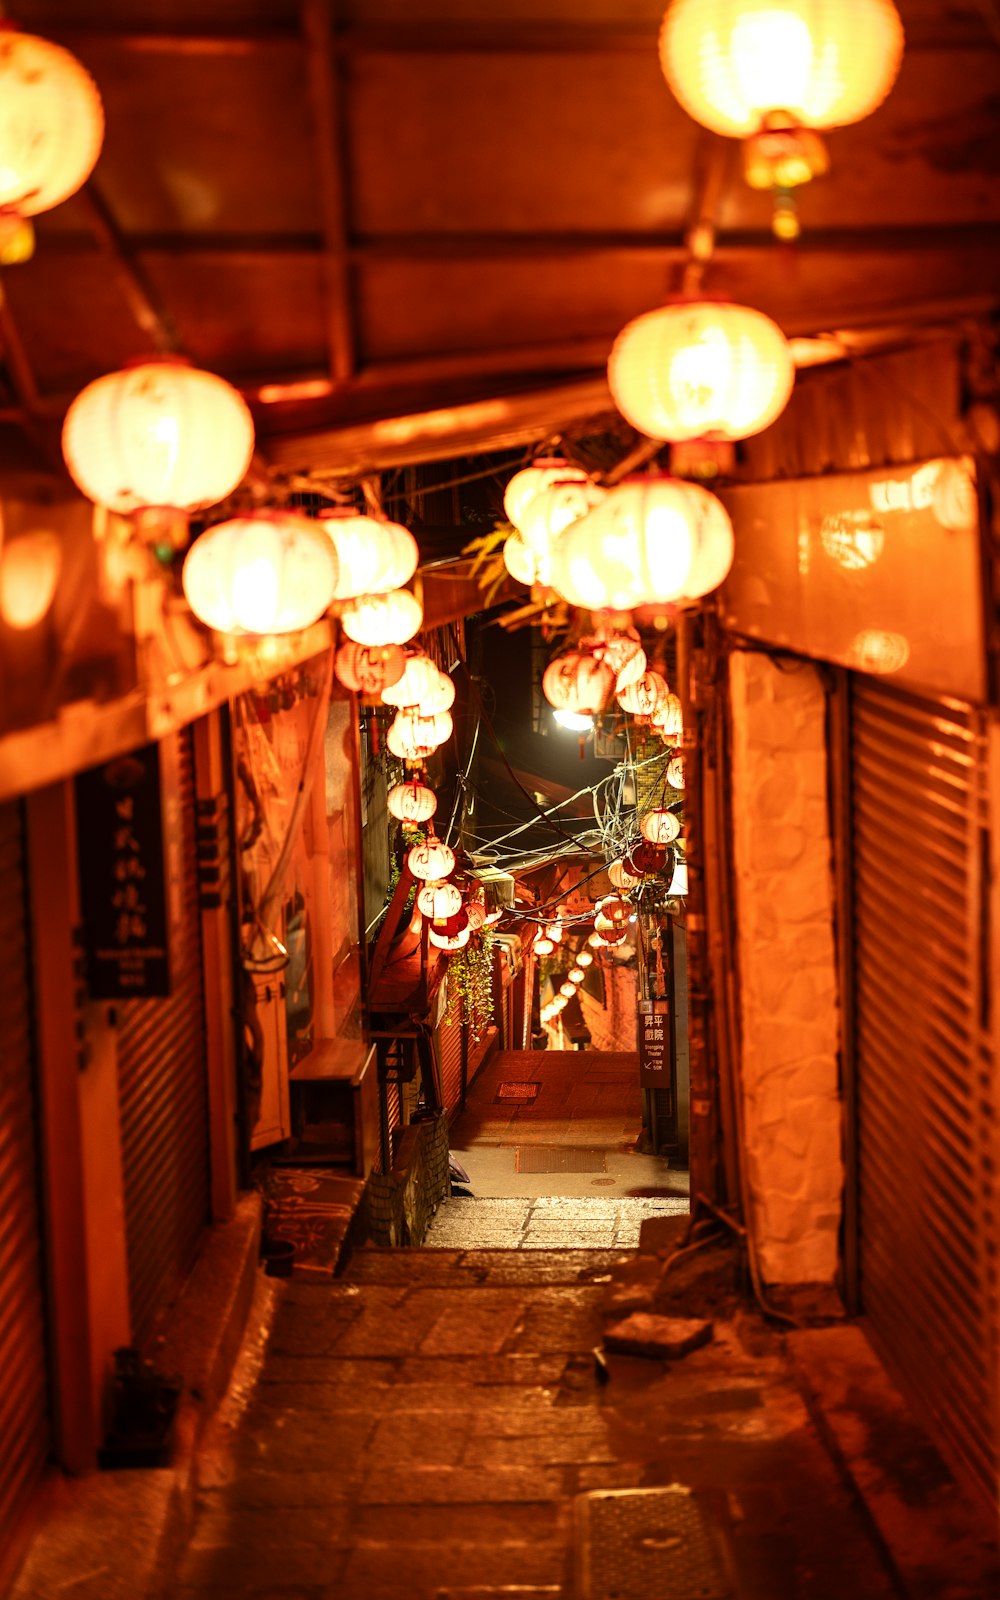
column 450, row 942
column 576, row 975
column 621, row 877
column 523, row 564
column 439, row 901
column 542, row 946
column 622, row 652
column 422, row 685
column 567, row 989
column 411, row 803
column 584, row 958
column 675, row 772
column 643, row 698
column 476, row 913
column 375, row 555
column 613, row 908
column 375, row 619
column 159, row 434
column 555, row 509
column 269, row 573
column 701, row 370
column 734, row 63
column 645, row 858
column 431, row 860
column 652, row 539
column 554, row 931
column 668, row 719
column 29, row 572
column 577, row 682
column 525, row 485
column 368, row 670
column 660, row 826
column 412, row 737
column 51, row 123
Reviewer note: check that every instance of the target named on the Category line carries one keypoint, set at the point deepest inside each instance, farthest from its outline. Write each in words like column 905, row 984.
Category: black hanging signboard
column 120, row 845
column 654, row 1045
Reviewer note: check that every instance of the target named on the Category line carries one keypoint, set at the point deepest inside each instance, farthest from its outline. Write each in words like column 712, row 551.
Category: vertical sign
column 654, row 1045
column 119, row 825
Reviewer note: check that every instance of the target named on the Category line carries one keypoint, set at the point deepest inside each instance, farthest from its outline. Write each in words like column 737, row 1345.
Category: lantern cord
column 462, row 783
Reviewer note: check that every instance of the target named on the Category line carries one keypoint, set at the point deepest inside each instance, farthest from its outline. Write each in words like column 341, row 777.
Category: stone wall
column 399, row 1204
column 787, row 966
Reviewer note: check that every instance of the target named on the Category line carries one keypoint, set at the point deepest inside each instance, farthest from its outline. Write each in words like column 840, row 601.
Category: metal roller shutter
column 448, row 1044
column 926, row 1104
column 164, row 1105
column 24, row 1425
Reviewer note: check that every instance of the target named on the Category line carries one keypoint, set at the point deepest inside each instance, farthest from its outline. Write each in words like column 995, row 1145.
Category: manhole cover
column 517, row 1091
column 558, row 1158
column 649, row 1544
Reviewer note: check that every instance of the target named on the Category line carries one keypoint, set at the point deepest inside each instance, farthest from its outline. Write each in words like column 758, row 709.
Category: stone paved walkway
column 424, row 1427
column 549, row 1222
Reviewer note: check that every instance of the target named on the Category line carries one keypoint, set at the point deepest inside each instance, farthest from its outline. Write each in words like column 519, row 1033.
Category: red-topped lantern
column 660, row 826
column 439, row 901
column 375, row 555
column 51, row 123
column 644, row 697
column 578, row 682
column 431, row 860
column 525, row 485
column 375, row 619
column 265, row 574
column 368, row 670
column 646, row 858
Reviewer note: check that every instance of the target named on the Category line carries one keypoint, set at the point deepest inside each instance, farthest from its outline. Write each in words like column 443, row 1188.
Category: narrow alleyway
column 433, row 1425
column 554, row 1147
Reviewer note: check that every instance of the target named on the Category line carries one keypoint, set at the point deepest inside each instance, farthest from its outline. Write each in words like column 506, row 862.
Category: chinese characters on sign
column 119, row 822
column 654, row 1045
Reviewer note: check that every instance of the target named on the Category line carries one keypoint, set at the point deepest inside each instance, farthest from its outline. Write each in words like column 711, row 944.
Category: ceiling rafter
column 331, row 162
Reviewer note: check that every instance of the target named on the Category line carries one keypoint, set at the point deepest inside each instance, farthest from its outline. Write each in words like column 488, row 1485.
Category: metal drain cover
column 517, row 1091
column 650, row 1544
column 558, row 1158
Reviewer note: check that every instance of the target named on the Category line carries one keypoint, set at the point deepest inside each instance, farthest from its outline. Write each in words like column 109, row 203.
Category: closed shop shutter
column 164, row 1104
column 24, row 1426
column 926, row 1106
column 448, row 1044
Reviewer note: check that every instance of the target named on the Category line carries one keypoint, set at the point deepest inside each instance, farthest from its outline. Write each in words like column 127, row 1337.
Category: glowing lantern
column 368, row 671
column 643, row 698
column 576, row 975
column 29, row 572
column 412, row 737
column 668, row 719
column 375, row 619
column 612, row 908
column 542, row 946
column 450, row 942
column 735, row 64
column 51, row 124
column 577, row 682
column 553, row 931
column 660, row 826
column 431, row 860
column 476, row 912
column 523, row 564
column 595, row 941
column 555, row 509
column 584, row 959
column 621, row 877
column 412, row 803
column 652, row 539
column 645, row 858
column 271, row 573
column 375, row 555
column 679, row 881
column 160, row 434
column 567, row 989
column 701, row 370
column 422, row 685
column 622, row 652
column 527, row 484
column 675, row 772
column 439, row 901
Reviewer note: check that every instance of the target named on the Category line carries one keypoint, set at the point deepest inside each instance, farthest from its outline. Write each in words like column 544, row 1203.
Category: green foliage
column 488, row 564
column 470, row 984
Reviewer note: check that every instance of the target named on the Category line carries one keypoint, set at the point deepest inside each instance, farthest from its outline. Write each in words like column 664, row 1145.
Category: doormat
column 558, row 1158
column 517, row 1091
column 312, row 1210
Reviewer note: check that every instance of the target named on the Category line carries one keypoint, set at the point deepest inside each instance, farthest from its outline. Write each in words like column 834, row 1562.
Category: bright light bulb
column 573, row 720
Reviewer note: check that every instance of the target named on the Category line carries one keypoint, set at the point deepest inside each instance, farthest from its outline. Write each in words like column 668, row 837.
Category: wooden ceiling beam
column 153, row 320
column 331, row 165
